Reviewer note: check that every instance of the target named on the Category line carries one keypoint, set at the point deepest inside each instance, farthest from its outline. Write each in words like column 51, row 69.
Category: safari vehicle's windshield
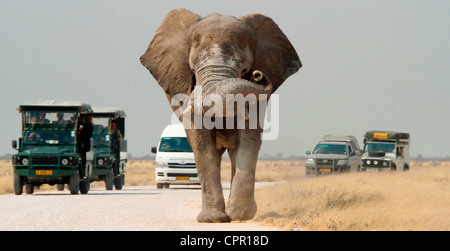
column 330, row 149
column 100, row 132
column 380, row 147
column 174, row 144
column 49, row 138
column 49, row 120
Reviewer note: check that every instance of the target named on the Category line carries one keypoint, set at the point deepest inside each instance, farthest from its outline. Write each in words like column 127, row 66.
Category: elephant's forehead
column 214, row 51
column 216, row 55
column 218, row 24
column 218, row 19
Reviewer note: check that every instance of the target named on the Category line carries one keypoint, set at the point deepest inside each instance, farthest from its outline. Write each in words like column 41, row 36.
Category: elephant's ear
column 274, row 54
column 167, row 55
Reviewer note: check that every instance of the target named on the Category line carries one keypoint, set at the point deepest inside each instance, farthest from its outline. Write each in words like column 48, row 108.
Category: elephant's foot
column 212, row 216
column 241, row 209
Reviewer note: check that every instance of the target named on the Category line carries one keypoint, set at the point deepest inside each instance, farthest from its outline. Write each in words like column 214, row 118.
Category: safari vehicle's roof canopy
column 117, row 112
column 56, row 104
column 376, row 134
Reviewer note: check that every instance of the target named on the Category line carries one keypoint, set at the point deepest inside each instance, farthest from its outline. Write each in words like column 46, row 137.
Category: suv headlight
column 161, row 164
column 310, row 161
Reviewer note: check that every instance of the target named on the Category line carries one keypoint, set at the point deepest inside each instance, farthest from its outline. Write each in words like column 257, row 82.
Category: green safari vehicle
column 110, row 147
column 52, row 150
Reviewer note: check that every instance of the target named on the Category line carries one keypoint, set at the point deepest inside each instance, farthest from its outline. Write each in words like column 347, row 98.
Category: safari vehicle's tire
column 406, row 167
column 159, row 185
column 393, row 167
column 60, row 187
column 109, row 180
column 29, row 188
column 119, row 181
column 74, row 183
column 18, row 185
column 85, row 186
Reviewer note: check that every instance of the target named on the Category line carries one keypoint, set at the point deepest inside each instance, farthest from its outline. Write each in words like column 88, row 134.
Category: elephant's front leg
column 208, row 167
column 241, row 203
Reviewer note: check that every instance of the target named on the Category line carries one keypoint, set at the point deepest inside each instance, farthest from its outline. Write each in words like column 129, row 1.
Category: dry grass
column 138, row 173
column 270, row 171
column 414, row 200
column 6, row 177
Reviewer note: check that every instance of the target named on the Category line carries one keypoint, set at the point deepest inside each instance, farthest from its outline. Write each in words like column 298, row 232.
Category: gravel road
column 133, row 208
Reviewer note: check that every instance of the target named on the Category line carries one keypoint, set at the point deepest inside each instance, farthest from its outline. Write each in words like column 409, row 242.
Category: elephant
column 220, row 54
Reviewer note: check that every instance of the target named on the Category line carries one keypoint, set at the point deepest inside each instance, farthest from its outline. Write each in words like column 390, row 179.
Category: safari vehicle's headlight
column 19, row 160
column 104, row 161
column 341, row 162
column 310, row 161
column 25, row 161
column 68, row 161
column 161, row 164
column 368, row 162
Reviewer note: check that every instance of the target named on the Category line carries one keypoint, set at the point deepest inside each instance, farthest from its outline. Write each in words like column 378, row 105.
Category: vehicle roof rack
column 377, row 134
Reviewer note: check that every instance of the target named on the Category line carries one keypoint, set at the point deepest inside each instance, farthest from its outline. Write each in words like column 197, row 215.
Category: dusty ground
column 133, row 208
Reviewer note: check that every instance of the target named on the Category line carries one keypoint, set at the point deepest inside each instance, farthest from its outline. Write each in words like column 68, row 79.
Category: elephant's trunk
column 218, row 97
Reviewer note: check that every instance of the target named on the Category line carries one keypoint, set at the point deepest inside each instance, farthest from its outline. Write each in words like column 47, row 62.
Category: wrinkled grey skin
column 222, row 54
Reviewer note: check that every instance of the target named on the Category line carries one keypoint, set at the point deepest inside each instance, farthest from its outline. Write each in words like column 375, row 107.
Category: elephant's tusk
column 262, row 80
column 258, row 75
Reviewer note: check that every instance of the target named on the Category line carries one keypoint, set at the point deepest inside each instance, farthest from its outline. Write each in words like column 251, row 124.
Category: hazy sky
column 366, row 65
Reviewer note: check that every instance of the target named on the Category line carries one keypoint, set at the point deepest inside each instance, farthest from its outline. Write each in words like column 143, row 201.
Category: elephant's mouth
column 219, row 98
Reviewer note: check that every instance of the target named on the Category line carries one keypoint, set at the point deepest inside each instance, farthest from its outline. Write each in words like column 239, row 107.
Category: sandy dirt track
column 133, row 208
